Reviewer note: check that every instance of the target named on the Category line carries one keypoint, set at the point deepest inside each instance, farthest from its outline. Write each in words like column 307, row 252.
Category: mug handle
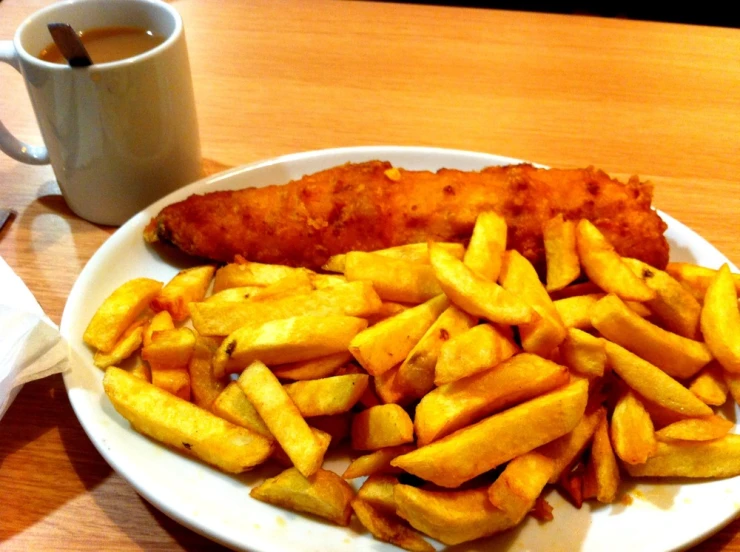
column 20, row 151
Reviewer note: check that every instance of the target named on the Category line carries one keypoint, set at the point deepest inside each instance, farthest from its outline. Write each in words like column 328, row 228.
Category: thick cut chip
column 316, row 368
column 327, row 396
column 412, row 252
column 389, row 390
column 710, row 385
column 183, row 425
column 566, row 450
column 294, row 284
column 280, row 456
column 455, row 405
column 583, row 353
column 393, row 279
column 632, row 431
column 450, row 517
column 386, row 425
column 417, row 372
column 475, row 350
column 519, row 485
column 158, row 323
column 519, row 277
column 475, row 294
column 375, row 462
column 720, row 320
column 475, row 449
column 205, row 386
column 234, row 295
column 170, row 349
column 675, row 306
column 187, row 286
column 717, row 458
column 389, row 528
column 378, row 490
column 487, row 245
column 677, row 356
column 380, row 347
column 119, row 311
column 282, row 418
column 605, row 464
column 289, row 340
column 126, row 345
column 696, row 278
column 142, row 371
column 337, row 427
column 575, row 312
column 605, row 267
column 173, row 380
column 561, row 254
column 653, row 383
column 233, row 405
column 323, row 494
column 387, row 310
column 350, row 299
column 696, row 429
column 247, row 273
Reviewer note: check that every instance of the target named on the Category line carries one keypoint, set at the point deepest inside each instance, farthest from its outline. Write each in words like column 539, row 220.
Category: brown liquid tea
column 106, row 44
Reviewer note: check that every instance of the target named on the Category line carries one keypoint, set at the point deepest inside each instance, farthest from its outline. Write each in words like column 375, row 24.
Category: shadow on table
column 41, row 409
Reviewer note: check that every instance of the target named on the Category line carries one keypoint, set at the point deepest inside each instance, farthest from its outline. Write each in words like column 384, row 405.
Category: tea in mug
column 105, row 44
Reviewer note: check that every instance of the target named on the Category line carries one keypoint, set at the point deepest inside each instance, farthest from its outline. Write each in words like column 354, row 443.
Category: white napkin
column 30, row 344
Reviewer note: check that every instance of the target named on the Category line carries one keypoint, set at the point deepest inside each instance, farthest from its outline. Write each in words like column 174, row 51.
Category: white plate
column 661, row 516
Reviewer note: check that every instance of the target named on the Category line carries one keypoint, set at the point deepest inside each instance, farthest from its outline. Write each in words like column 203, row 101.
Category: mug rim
column 29, row 58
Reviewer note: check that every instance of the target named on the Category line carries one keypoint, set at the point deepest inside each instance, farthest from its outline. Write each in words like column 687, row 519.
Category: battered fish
column 367, row 206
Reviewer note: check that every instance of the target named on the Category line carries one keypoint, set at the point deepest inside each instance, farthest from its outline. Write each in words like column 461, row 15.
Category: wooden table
column 271, row 78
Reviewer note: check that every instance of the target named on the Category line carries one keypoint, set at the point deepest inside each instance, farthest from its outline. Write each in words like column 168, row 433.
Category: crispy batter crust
column 358, row 207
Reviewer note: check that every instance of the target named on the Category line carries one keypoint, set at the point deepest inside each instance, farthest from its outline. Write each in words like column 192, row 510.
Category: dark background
column 674, row 11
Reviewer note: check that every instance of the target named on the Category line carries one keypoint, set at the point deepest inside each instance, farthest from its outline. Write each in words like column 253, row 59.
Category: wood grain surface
column 658, row 100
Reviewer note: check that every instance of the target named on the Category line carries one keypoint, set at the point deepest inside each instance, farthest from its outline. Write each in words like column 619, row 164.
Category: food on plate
column 378, row 461
column 583, row 353
column 382, row 346
column 632, row 431
column 477, row 295
column 677, row 356
column 605, row 267
column 462, row 386
column 519, row 485
column 381, row 426
column 417, row 373
column 324, row 494
column 720, row 320
column 119, row 311
column 716, row 458
column 393, row 279
column 288, row 340
column 480, row 447
column 190, row 285
column 487, row 245
column 518, row 276
column 389, row 527
column 184, row 426
column 282, row 417
column 357, row 207
column 561, row 252
column 455, row 405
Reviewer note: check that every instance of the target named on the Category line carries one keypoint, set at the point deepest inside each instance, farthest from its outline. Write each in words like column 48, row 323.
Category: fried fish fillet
column 368, row 206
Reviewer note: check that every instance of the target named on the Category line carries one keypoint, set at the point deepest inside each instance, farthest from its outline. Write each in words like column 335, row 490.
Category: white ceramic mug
column 119, row 135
